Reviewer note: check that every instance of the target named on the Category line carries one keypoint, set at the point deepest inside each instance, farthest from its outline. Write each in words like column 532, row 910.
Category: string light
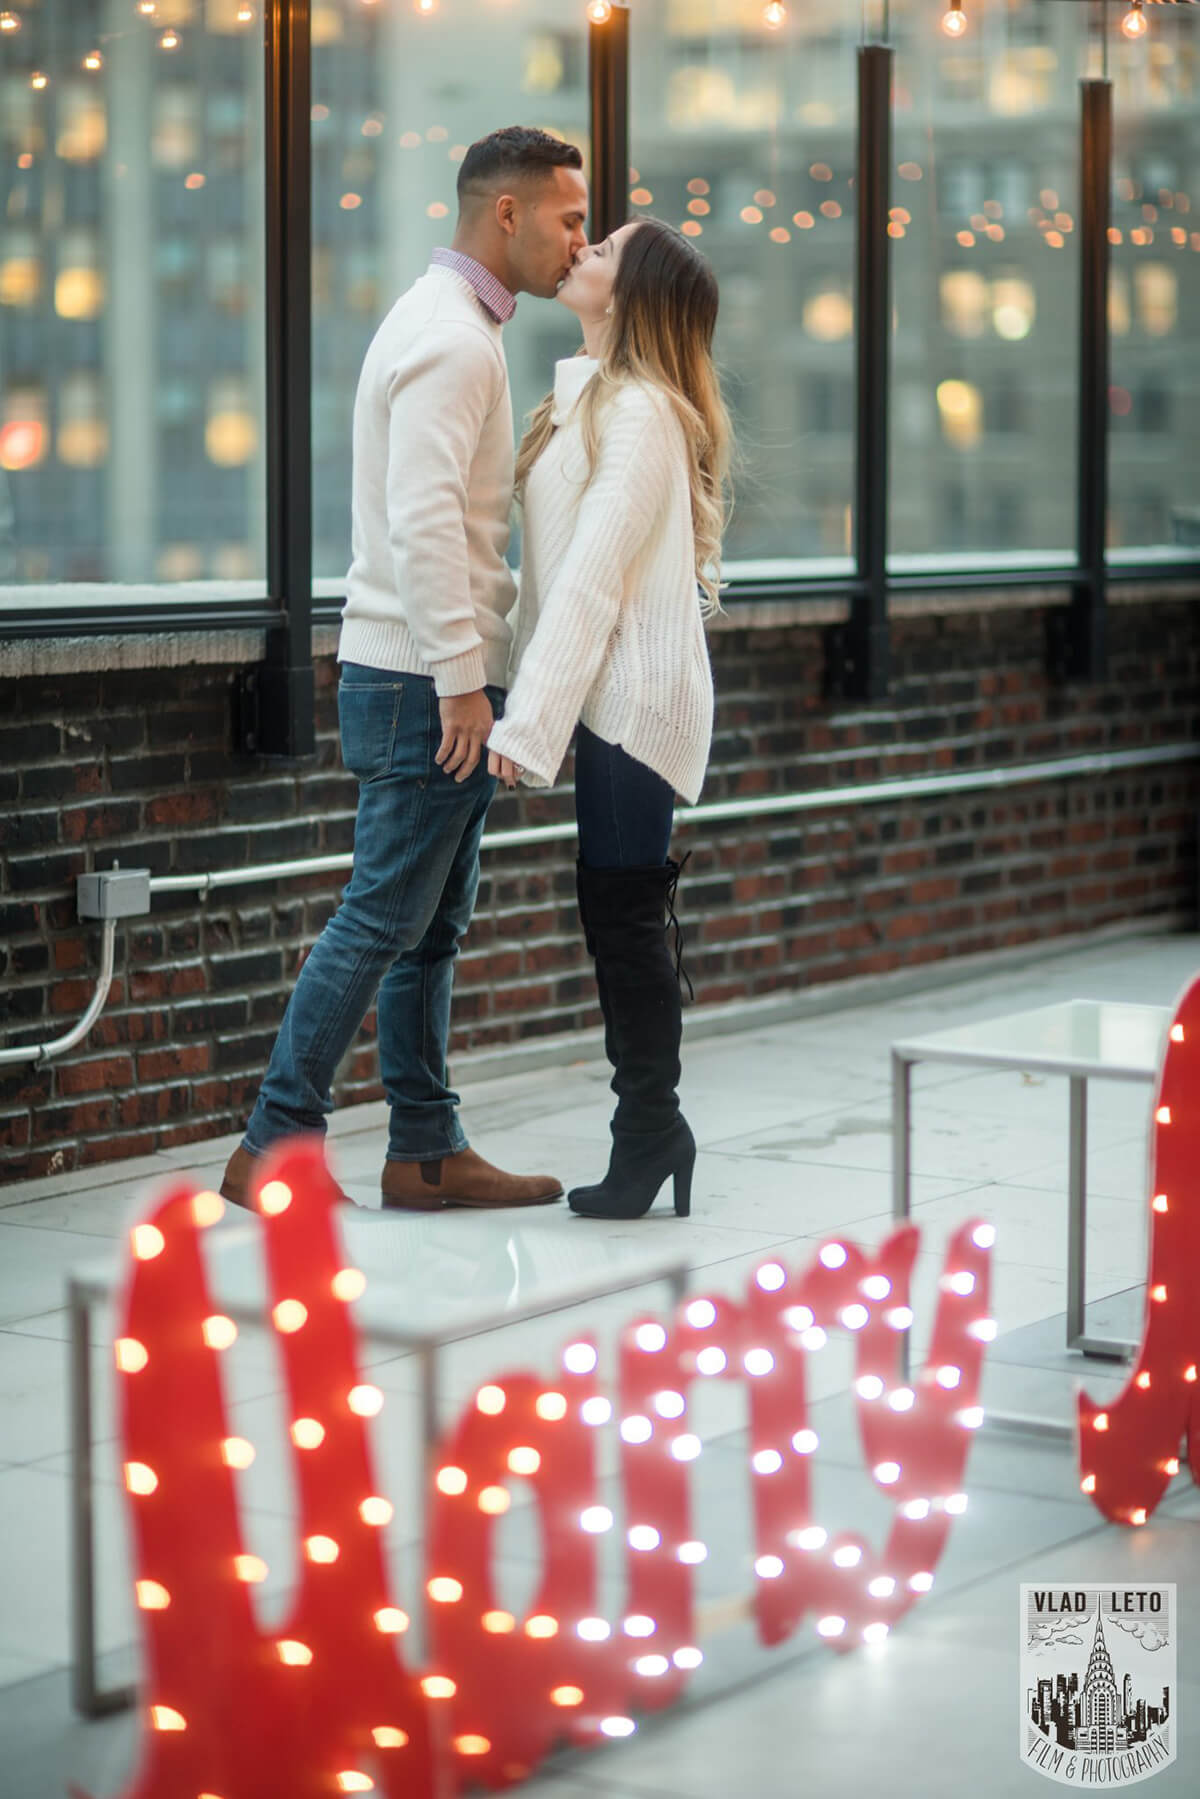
column 774, row 15
column 1134, row 24
column 38, row 80
column 169, row 40
column 93, row 61
column 9, row 21
column 954, row 23
column 599, row 12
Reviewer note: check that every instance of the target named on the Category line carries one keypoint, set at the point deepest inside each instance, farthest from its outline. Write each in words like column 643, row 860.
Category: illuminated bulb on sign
column 921, row 1583
column 365, row 1401
column 954, row 23
column 955, row 1503
column 971, row 1417
column 1176, row 1029
column 293, row 1654
column 758, row 1361
column 566, row 1696
column 1134, row 23
column 593, row 1630
column 768, row 1567
column 275, row 1198
column 636, row 1429
column 551, row 1407
column 494, row 1501
column 833, row 1256
column 638, row 1625
column 290, row 1316
column 688, row 1657
column 854, row 1317
column 774, row 15
column 131, row 1355
column 579, row 1358
column 692, row 1553
column 875, row 1633
column 148, row 1242
column 499, row 1624
column 1138, row 1516
column 491, row 1401
column 771, row 1277
column 1163, row 1115
column 1159, row 1202
column 348, row 1284
column 650, row 1337
column 811, row 1539
column 983, row 1236
column 948, row 1376
column 140, row 1479
column 445, row 1591
column 983, row 1330
column 207, row 1208
column 887, row 1473
column 900, row 1317
column 882, row 1587
column 916, row 1509
column 710, row 1360
column 963, row 1283
column 1100, row 1421
column 616, row 1727
column 767, row 1461
column 831, row 1627
column 1189, row 1373
column 1088, row 1484
column 352, row 1780
column 321, row 1549
column 595, row 1410
column 218, row 1331
column 165, row 1717
column 451, row 1480
column 848, row 1556
column 876, row 1286
column 250, row 1568
column 805, row 1441
column 799, row 1318
column 669, row 1404
column 813, row 1338
column 524, row 1460
column 1142, row 1381
column 388, row 1737
column 643, row 1536
column 541, row 1626
column 701, row 1314
column 152, row 1596
column 902, row 1399
column 1159, row 1294
column 236, row 1452
column 651, row 1665
column 390, row 1620
column 376, row 1511
column 595, row 1519
column 1171, row 1466
column 306, row 1433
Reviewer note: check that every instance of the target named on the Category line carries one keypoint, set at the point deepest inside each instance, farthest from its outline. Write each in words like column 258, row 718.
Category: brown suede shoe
column 235, row 1182
column 464, row 1179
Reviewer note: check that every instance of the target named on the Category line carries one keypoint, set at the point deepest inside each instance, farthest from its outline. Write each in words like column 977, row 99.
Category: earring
column 608, row 308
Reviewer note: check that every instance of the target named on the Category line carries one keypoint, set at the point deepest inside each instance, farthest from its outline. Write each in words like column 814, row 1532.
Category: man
column 424, row 653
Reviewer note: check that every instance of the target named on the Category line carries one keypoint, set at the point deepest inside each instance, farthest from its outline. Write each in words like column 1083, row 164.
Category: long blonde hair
column 664, row 314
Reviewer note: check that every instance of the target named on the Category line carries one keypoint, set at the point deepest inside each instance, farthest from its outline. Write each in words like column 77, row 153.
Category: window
column 745, row 138
column 131, row 258
column 397, row 96
column 984, row 209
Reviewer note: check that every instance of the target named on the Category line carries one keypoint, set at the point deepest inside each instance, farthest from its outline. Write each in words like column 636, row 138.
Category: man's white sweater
column 609, row 628
column 429, row 591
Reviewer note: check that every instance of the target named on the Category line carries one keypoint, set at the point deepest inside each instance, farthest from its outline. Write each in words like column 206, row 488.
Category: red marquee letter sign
column 1129, row 1451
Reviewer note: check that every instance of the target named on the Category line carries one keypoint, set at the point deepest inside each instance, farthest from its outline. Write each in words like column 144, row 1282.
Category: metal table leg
column 1107, row 1348
column 901, row 1166
column 88, row 1697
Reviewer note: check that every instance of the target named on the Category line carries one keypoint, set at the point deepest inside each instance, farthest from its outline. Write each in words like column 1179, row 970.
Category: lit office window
column 397, row 96
column 744, row 138
column 1154, row 291
column 984, row 205
column 131, row 270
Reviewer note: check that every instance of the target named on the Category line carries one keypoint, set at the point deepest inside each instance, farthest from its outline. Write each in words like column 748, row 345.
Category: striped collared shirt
column 492, row 294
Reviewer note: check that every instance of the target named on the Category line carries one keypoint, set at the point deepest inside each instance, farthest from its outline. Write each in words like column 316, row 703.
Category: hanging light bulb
column 169, row 40
column 599, row 12
column 954, row 23
column 39, row 80
column 774, row 15
column 425, row 6
column 91, row 62
column 1134, row 23
column 147, row 8
column 9, row 21
column 245, row 15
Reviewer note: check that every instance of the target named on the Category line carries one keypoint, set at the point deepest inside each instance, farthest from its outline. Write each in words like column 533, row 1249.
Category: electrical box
column 114, row 893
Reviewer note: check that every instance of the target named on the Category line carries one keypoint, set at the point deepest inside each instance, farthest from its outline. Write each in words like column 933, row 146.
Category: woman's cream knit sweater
column 609, row 627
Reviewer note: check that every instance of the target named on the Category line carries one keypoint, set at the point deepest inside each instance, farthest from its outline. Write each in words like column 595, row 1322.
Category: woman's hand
column 501, row 766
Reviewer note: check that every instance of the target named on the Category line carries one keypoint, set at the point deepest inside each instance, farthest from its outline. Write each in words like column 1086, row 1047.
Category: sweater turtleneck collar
column 571, row 376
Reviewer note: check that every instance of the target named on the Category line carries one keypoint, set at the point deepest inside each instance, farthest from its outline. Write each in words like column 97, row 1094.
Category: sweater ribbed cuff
column 522, row 748
column 459, row 674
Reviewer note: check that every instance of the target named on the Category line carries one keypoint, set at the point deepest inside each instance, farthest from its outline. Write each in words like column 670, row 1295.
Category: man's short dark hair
column 515, row 152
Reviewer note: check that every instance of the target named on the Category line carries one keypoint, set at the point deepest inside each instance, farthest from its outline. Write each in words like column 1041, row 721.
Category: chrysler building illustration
column 1102, row 1726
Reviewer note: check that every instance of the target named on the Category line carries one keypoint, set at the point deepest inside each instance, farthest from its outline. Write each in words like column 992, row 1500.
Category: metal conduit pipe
column 826, row 799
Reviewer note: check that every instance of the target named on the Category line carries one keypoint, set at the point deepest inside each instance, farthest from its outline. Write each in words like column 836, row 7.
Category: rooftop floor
column 794, row 1125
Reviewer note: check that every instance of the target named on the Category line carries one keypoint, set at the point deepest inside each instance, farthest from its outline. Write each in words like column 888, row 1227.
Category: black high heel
column 638, row 1169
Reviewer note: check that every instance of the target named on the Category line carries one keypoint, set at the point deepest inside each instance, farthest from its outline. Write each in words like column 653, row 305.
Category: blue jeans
column 624, row 811
column 397, row 930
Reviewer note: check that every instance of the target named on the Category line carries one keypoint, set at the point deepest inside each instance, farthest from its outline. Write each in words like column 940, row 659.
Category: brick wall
column 138, row 764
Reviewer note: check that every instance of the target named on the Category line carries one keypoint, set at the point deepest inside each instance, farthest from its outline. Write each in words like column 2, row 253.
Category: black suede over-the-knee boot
column 625, row 925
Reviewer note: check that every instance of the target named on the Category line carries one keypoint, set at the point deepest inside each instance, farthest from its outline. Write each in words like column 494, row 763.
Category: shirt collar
column 491, row 293
column 571, row 376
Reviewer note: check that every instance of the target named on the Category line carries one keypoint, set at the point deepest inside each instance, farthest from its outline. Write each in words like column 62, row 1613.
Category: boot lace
column 681, row 972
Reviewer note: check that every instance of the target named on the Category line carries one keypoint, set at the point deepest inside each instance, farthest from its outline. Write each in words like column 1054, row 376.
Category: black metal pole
column 1082, row 633
column 278, row 695
column 608, row 94
column 861, row 653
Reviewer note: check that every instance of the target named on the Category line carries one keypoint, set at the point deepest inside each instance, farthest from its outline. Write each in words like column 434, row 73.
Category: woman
column 621, row 476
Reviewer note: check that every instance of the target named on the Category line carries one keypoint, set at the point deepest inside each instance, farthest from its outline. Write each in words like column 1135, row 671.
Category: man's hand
column 466, row 720
column 503, row 767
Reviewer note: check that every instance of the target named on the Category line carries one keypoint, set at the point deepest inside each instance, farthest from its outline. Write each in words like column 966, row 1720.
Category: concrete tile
column 34, row 1413
column 82, row 1180
column 35, row 1264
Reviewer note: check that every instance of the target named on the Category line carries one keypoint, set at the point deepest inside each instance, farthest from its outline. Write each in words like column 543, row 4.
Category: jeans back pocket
column 367, row 715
